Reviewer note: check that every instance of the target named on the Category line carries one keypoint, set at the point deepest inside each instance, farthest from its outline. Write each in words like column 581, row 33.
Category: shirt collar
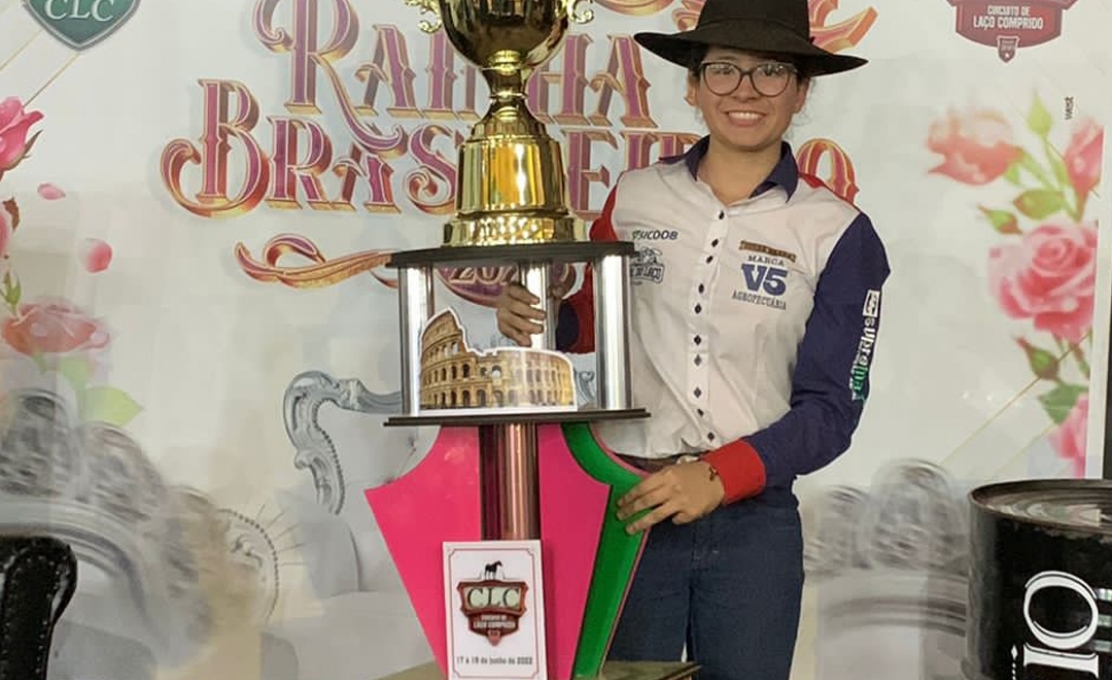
column 785, row 174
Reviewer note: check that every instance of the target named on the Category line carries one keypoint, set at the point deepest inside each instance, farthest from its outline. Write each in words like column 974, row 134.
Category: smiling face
column 746, row 120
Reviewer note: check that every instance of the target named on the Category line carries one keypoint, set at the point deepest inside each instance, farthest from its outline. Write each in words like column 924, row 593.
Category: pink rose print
column 1048, row 277
column 53, row 326
column 977, row 148
column 15, row 123
column 95, row 255
column 52, row 337
column 1083, row 157
column 1069, row 439
column 50, row 192
column 1044, row 270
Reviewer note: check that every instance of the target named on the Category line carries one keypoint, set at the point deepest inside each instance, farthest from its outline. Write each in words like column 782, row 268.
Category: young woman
column 756, row 304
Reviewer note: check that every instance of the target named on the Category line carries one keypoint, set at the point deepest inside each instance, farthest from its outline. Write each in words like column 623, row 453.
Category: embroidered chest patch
column 647, row 265
column 764, row 275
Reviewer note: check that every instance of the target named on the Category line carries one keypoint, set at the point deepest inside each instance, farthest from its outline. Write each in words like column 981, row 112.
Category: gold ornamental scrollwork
column 426, row 7
column 577, row 14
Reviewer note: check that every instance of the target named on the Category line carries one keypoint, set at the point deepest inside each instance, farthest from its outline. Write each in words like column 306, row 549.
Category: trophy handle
column 429, row 6
column 577, row 15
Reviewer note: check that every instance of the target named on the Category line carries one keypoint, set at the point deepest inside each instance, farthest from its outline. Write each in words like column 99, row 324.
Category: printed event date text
column 494, row 661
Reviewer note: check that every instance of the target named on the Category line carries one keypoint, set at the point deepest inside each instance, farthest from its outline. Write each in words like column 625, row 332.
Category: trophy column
column 510, row 485
column 508, row 451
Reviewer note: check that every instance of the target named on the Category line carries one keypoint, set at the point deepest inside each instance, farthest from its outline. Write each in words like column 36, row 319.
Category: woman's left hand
column 685, row 492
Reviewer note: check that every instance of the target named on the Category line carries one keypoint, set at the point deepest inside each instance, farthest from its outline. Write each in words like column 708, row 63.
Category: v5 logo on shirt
column 761, row 277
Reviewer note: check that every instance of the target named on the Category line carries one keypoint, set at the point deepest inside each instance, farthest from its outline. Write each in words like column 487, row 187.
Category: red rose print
column 51, row 192
column 95, row 255
column 15, row 123
column 976, row 147
column 1048, row 276
column 1083, row 157
column 53, row 326
column 1069, row 439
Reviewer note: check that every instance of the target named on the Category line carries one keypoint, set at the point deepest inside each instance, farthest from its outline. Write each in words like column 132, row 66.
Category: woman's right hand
column 518, row 318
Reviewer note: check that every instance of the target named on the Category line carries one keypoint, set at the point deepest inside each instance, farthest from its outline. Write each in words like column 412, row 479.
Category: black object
column 582, row 415
column 761, row 26
column 1040, row 587
column 1107, row 468
column 38, row 576
column 557, row 253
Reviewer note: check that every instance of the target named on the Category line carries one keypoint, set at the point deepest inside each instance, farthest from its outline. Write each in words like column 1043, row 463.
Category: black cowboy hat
column 764, row 26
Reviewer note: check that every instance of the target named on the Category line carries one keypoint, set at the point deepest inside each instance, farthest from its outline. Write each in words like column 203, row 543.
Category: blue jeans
column 728, row 586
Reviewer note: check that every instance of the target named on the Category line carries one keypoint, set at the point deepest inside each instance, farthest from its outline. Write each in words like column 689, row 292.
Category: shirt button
column 698, row 340
column 722, row 214
column 698, row 361
column 698, row 309
column 710, row 258
column 699, row 411
column 702, row 288
column 698, row 392
column 710, row 436
column 714, row 243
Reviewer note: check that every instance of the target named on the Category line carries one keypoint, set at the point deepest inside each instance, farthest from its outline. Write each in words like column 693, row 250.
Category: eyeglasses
column 769, row 79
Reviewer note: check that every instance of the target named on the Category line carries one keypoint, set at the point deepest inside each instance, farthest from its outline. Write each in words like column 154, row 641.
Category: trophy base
column 501, row 417
column 512, row 228
column 612, row 670
column 511, row 254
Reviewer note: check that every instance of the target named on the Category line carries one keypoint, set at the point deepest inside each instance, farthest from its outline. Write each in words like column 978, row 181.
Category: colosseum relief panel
column 455, row 377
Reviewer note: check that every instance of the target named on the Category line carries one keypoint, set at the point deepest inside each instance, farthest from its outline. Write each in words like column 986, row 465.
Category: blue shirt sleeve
column 567, row 328
column 831, row 378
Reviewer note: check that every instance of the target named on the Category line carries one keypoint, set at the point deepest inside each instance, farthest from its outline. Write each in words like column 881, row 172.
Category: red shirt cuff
column 740, row 468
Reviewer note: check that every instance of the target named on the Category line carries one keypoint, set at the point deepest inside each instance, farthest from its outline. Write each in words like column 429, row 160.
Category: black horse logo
column 490, row 571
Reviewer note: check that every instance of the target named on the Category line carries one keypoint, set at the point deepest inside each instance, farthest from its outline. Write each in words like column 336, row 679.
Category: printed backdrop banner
column 199, row 341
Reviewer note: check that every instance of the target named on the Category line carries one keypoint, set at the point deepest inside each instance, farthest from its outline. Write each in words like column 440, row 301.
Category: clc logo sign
column 763, row 278
column 503, row 596
column 97, row 10
column 81, row 23
column 493, row 608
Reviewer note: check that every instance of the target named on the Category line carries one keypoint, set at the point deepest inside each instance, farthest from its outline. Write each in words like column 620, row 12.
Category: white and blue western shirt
column 753, row 324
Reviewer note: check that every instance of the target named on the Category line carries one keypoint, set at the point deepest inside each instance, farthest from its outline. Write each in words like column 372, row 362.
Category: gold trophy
column 511, row 187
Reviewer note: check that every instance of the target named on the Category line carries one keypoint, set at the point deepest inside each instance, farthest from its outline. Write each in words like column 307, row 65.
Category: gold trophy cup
column 511, row 173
